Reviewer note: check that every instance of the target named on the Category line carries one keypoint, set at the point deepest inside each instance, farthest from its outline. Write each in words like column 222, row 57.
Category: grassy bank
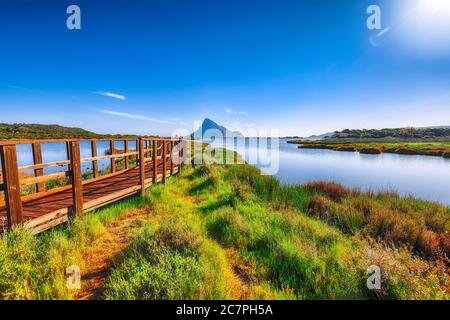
column 221, row 232
column 441, row 149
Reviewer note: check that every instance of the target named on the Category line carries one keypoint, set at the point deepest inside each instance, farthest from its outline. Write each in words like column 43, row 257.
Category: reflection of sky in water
column 421, row 176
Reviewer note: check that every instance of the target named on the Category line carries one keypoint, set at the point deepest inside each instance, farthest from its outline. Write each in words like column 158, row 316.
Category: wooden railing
column 155, row 150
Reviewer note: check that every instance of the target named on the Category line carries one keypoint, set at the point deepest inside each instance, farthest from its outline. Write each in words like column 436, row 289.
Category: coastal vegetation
column 20, row 131
column 228, row 232
column 441, row 149
column 395, row 133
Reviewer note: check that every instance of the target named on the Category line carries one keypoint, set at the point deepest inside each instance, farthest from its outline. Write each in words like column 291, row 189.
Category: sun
column 424, row 24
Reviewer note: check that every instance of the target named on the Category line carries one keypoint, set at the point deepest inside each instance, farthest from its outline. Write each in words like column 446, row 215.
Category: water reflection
column 420, row 176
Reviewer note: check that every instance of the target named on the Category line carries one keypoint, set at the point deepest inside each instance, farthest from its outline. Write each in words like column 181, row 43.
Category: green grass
column 34, row 267
column 227, row 232
column 286, row 253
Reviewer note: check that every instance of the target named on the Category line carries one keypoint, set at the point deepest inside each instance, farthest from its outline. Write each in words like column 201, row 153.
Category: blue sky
column 300, row 67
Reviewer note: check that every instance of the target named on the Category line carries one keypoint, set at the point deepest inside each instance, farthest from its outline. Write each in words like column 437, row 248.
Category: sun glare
column 424, row 25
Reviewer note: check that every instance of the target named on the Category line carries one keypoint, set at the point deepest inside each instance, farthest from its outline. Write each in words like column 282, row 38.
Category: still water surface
column 423, row 177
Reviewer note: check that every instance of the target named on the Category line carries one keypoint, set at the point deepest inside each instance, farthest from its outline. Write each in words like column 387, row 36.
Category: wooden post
column 94, row 154
column 164, row 159
column 77, row 188
column 180, row 156
column 142, row 165
column 69, row 166
column 172, row 144
column 11, row 185
column 155, row 161
column 127, row 162
column 37, row 159
column 113, row 160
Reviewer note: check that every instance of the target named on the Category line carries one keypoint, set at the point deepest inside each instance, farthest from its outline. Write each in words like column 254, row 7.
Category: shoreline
column 424, row 149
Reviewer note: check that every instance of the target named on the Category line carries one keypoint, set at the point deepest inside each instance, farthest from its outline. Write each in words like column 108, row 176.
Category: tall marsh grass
column 227, row 232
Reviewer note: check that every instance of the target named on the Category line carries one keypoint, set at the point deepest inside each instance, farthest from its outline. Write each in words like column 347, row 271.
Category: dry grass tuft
column 332, row 190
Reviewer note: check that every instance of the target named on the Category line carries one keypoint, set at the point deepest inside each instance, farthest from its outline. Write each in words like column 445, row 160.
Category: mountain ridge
column 208, row 125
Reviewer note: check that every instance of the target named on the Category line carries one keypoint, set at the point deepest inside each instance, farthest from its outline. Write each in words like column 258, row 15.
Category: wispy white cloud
column 111, row 95
column 24, row 89
column 230, row 111
column 140, row 117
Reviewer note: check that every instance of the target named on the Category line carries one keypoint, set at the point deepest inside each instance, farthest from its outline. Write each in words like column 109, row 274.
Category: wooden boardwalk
column 48, row 208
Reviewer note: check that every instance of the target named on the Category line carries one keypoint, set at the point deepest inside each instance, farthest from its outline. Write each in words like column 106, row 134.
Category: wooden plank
column 142, row 166
column 164, row 160
column 39, row 195
column 117, row 155
column 37, row 159
column 110, row 198
column 45, row 165
column 10, row 174
column 45, row 178
column 112, row 148
column 46, row 218
column 77, row 188
column 50, row 224
column 31, row 141
column 106, row 176
column 94, row 155
column 155, row 160
column 127, row 160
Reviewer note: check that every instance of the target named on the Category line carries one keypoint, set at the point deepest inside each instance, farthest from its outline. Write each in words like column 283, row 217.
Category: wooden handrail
column 45, row 165
column 111, row 156
column 16, row 142
column 47, row 177
column 31, row 141
column 65, row 162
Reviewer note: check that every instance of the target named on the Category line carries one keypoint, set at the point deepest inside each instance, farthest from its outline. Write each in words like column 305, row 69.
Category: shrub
column 332, row 190
column 345, row 148
column 370, row 150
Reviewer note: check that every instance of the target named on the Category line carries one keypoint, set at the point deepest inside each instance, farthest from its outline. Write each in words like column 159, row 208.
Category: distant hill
column 395, row 133
column 18, row 131
column 321, row 136
column 208, row 124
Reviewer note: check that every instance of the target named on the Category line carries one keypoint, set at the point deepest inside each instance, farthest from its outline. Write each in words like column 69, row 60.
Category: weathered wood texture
column 77, row 188
column 11, row 183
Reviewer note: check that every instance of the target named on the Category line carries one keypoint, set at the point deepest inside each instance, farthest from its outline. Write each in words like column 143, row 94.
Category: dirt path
column 99, row 261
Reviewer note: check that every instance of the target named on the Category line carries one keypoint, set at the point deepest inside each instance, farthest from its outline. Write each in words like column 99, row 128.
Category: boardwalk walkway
column 49, row 208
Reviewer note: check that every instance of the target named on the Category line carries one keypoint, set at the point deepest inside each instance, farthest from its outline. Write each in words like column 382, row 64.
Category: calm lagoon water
column 423, row 177
column 52, row 152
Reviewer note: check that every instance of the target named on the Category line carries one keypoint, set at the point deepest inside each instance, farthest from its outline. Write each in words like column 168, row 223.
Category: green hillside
column 19, row 131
